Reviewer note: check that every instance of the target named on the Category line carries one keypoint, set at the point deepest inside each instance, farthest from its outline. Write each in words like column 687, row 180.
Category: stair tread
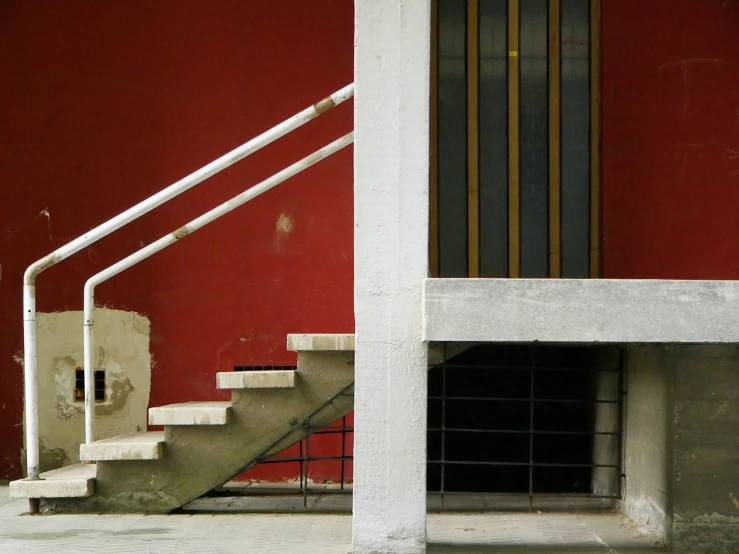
column 73, row 481
column 132, row 446
column 324, row 342
column 191, row 413
column 271, row 379
column 196, row 405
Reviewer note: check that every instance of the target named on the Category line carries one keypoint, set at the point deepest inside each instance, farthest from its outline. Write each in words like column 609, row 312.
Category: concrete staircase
column 204, row 444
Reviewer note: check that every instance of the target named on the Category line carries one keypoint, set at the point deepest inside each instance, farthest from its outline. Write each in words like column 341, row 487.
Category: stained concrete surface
column 121, row 350
column 681, row 452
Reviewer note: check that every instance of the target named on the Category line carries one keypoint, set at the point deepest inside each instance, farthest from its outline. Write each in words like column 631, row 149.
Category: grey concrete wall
column 705, row 471
column 647, row 452
column 681, row 445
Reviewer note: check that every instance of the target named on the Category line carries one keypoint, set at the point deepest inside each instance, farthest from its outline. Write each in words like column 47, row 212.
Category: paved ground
column 500, row 533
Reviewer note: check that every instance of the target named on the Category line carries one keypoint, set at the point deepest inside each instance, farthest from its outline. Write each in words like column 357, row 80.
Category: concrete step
column 133, row 446
column 75, row 481
column 333, row 342
column 191, row 413
column 277, row 379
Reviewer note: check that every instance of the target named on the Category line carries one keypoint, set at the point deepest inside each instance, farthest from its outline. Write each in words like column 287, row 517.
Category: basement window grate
column 265, row 368
column 527, row 420
column 79, row 385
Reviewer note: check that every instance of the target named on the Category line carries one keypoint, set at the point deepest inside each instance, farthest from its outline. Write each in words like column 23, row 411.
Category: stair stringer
column 200, row 458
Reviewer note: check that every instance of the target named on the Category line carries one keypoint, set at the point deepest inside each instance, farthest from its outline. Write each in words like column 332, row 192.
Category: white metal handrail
column 30, row 370
column 164, row 242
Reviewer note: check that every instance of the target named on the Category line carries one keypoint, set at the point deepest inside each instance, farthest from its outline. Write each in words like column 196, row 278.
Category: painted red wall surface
column 105, row 103
column 670, row 139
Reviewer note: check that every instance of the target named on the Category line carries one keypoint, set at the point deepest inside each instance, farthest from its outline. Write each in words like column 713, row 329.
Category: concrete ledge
column 75, row 481
column 581, row 311
column 325, row 342
column 191, row 413
column 256, row 379
column 134, row 446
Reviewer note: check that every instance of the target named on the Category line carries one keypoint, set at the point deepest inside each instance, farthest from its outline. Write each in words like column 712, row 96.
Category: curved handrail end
column 29, row 277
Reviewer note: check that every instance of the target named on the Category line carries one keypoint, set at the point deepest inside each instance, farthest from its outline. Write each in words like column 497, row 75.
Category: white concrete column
column 391, row 160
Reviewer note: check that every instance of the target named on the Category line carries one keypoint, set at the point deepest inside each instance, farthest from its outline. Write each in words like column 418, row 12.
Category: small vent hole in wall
column 79, row 385
column 265, row 368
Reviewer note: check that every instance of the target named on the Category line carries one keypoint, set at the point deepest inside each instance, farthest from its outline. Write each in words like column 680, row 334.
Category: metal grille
column 526, row 420
column 265, row 368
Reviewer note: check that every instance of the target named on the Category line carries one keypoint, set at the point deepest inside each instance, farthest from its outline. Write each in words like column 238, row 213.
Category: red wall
column 103, row 104
column 670, row 139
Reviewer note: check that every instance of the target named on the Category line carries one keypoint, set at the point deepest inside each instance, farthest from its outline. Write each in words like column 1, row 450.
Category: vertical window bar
column 443, row 430
column 434, row 145
column 595, row 138
column 514, row 237
column 555, row 175
column 473, row 154
column 532, row 393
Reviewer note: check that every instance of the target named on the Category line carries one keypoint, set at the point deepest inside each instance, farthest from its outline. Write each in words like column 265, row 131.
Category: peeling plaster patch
column 283, row 228
column 63, row 370
column 51, row 458
column 284, row 223
column 18, row 358
column 118, row 387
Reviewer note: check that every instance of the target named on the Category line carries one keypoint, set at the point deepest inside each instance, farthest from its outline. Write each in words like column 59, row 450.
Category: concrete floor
column 503, row 533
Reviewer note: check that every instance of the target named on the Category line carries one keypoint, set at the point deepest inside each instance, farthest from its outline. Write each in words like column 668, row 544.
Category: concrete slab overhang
column 581, row 310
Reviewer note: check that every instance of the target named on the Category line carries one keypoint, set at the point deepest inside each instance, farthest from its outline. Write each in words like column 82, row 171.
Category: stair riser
column 185, row 416
column 256, row 380
column 112, row 453
column 57, row 489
